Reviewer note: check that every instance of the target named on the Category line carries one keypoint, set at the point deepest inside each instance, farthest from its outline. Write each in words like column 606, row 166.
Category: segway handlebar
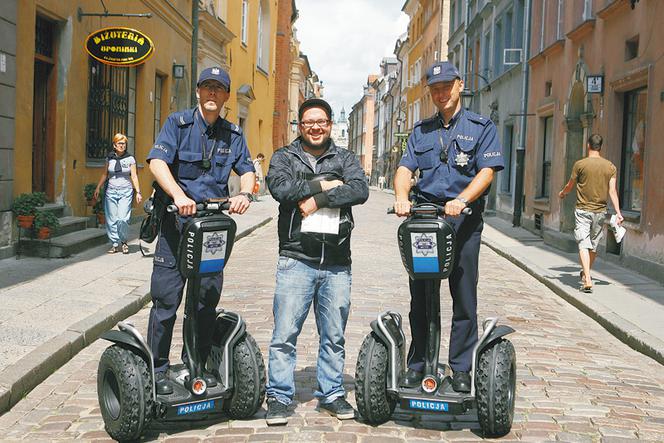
column 211, row 206
column 428, row 208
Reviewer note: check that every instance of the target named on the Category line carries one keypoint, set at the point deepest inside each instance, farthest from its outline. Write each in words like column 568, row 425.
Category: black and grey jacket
column 291, row 178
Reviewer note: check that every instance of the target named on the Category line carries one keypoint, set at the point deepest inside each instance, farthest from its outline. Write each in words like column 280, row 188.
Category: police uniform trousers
column 463, row 288
column 166, row 288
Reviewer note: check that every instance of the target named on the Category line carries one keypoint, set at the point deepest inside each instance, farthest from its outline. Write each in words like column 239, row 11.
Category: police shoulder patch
column 184, row 118
column 231, row 126
column 476, row 118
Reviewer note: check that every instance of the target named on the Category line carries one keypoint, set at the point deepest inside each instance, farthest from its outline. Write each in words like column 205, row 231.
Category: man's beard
column 320, row 147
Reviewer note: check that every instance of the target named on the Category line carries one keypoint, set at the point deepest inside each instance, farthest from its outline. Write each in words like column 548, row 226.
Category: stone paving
column 576, row 382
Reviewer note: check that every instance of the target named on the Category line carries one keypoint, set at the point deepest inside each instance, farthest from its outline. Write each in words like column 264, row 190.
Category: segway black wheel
column 124, row 388
column 248, row 379
column 495, row 388
column 373, row 401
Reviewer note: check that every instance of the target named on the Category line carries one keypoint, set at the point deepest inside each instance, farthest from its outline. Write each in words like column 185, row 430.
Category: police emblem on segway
column 214, row 243
column 425, row 252
column 213, row 254
column 424, row 245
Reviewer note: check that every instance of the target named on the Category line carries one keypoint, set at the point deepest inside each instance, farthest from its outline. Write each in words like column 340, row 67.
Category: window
column 263, row 50
column 416, row 111
column 518, row 25
column 633, row 150
column 508, row 141
column 498, row 46
column 508, row 30
column 547, row 147
column 222, row 9
column 111, row 108
column 487, row 55
column 587, row 9
column 245, row 19
column 158, row 85
column 632, row 48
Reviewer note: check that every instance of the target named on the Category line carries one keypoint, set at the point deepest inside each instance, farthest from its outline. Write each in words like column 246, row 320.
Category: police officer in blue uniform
column 457, row 153
column 191, row 160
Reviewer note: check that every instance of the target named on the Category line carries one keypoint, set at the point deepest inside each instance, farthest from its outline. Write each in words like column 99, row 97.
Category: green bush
column 89, row 191
column 26, row 204
column 46, row 219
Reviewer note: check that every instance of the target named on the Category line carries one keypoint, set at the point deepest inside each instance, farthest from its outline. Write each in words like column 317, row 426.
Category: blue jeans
column 298, row 285
column 117, row 206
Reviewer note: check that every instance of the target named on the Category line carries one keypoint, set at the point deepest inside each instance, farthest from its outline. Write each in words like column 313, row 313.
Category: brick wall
column 282, row 67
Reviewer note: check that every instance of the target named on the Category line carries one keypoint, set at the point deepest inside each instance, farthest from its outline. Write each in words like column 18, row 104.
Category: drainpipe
column 194, row 51
column 466, row 79
column 521, row 148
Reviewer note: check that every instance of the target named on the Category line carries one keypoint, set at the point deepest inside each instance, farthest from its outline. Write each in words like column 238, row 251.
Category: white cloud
column 345, row 41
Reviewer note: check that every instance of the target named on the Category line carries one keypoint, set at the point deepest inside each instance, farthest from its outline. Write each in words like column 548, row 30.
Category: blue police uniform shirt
column 471, row 145
column 187, row 143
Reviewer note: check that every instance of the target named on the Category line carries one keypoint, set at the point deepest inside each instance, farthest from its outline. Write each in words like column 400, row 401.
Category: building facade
column 596, row 67
column 340, row 130
column 428, row 30
column 286, row 17
column 488, row 52
column 361, row 126
column 70, row 105
column 383, row 121
column 8, row 19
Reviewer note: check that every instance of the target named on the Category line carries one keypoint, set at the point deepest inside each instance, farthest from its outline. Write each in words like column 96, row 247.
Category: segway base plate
column 445, row 400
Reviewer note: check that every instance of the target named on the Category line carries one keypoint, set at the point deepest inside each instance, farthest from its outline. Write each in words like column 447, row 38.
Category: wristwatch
column 462, row 200
column 249, row 195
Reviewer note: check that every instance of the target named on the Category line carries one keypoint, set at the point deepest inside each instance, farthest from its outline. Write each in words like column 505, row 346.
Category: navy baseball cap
column 314, row 103
column 442, row 72
column 215, row 73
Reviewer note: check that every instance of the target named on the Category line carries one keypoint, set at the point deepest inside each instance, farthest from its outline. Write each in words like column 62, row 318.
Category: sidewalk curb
column 622, row 329
column 19, row 378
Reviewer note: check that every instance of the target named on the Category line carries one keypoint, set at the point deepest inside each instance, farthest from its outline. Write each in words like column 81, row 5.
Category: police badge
column 462, row 159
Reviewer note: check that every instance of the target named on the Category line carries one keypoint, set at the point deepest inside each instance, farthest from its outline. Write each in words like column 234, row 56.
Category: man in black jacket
column 315, row 183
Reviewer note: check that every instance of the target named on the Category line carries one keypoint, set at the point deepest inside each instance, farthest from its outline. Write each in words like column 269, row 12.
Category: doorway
column 43, row 110
column 573, row 151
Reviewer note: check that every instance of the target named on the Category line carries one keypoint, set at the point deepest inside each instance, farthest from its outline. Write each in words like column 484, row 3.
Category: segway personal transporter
column 125, row 377
column 427, row 246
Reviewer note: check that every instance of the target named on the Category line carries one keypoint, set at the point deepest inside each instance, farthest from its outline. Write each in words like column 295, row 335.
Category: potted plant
column 89, row 193
column 25, row 207
column 45, row 223
column 98, row 207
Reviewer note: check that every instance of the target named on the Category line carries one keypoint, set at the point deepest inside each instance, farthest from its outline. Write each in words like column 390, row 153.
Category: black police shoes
column 411, row 379
column 461, row 381
column 163, row 384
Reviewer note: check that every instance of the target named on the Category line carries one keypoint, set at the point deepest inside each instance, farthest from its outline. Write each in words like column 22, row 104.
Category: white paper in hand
column 324, row 221
column 618, row 231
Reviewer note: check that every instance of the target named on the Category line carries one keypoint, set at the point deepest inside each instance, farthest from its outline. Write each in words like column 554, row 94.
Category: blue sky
column 345, row 41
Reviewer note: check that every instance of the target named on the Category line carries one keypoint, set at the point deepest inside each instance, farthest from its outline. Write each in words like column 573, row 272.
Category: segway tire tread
column 495, row 388
column 133, row 404
column 374, row 403
column 248, row 379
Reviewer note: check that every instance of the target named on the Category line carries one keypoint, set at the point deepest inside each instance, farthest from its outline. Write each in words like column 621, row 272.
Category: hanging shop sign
column 119, row 46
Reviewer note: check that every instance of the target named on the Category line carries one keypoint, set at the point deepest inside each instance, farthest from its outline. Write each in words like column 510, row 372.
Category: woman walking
column 121, row 180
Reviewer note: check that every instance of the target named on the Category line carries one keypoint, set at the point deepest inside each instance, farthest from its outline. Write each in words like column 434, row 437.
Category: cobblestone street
column 575, row 381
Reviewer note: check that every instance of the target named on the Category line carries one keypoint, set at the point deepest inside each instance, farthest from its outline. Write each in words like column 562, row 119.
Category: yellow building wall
column 415, row 90
column 170, row 31
column 243, row 70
